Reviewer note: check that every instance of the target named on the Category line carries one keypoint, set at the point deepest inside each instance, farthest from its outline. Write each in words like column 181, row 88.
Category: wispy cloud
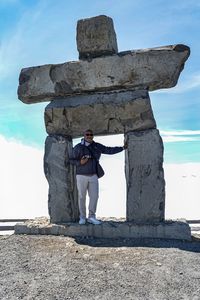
column 34, row 40
column 175, row 139
column 180, row 136
column 185, row 4
column 6, row 2
column 168, row 136
column 13, row 47
column 180, row 132
column 188, row 84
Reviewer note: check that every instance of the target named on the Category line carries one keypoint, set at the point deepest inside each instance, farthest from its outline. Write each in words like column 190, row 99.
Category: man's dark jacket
column 94, row 151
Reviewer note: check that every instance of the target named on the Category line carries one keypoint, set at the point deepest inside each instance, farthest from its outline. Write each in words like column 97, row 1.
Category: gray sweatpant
column 91, row 184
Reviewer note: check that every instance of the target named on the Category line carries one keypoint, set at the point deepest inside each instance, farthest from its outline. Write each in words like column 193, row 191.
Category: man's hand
column 125, row 145
column 84, row 160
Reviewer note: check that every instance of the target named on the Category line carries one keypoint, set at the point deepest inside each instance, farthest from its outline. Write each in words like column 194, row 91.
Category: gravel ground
column 58, row 267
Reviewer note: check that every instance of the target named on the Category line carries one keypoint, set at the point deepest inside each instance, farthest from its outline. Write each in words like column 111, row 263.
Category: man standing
column 86, row 155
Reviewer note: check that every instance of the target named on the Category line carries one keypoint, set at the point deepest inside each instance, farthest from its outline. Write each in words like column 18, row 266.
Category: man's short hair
column 88, row 130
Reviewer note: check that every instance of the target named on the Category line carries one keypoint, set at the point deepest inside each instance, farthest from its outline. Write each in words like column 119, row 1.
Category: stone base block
column 108, row 229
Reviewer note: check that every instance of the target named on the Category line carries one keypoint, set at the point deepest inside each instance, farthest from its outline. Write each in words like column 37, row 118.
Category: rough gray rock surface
column 151, row 69
column 110, row 113
column 145, row 177
column 62, row 198
column 61, row 268
column 96, row 37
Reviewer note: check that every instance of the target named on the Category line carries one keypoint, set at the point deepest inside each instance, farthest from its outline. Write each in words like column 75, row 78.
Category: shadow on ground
column 193, row 246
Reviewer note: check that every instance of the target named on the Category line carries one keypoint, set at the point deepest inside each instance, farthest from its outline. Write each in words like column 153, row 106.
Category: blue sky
column 37, row 32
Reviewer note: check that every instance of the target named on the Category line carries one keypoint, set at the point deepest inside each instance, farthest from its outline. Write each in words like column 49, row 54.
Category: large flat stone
column 110, row 113
column 96, row 37
column 63, row 200
column 145, row 177
column 151, row 69
column 108, row 229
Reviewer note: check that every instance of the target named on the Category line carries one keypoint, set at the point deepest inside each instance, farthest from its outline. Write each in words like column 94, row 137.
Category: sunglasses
column 89, row 134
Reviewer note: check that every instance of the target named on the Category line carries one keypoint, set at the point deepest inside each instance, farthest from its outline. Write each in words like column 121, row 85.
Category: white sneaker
column 82, row 221
column 94, row 221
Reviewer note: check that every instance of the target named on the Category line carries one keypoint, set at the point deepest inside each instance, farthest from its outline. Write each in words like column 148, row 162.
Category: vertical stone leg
column 60, row 174
column 145, row 177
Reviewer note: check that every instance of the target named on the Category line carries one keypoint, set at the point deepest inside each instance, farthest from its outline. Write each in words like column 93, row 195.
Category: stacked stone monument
column 107, row 91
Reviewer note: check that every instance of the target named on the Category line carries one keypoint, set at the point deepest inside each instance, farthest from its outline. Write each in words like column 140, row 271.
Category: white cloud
column 180, row 132
column 182, row 190
column 173, row 139
column 167, row 136
column 180, row 136
column 24, row 189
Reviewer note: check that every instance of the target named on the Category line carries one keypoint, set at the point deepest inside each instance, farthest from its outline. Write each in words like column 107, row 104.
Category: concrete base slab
column 108, row 229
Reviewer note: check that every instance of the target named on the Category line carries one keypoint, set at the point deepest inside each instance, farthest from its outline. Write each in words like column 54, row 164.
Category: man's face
column 88, row 136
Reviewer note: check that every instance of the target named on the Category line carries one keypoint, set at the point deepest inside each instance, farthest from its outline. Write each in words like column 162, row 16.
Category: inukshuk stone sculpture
column 106, row 91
